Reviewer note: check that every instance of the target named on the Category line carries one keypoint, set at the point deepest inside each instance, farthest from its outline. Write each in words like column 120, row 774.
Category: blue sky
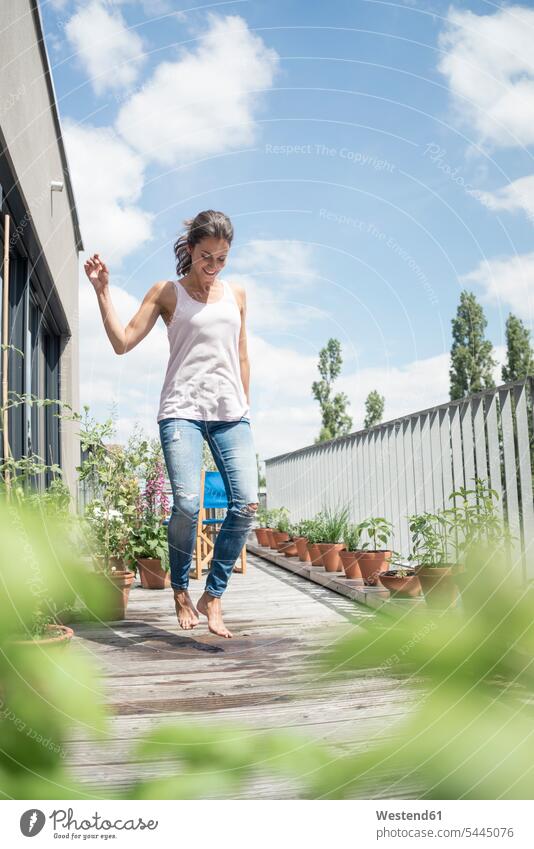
column 375, row 158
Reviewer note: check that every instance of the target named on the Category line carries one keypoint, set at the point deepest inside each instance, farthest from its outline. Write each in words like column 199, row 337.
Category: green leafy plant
column 303, row 527
column 432, row 536
column 334, row 523
column 21, row 478
column 149, row 537
column 352, row 537
column 262, row 517
column 149, row 540
column 280, row 519
column 112, row 473
column 475, row 518
column 271, row 516
column 313, row 528
column 378, row 530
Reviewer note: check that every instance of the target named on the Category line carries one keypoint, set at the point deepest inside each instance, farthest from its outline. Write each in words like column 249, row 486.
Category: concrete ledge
column 374, row 597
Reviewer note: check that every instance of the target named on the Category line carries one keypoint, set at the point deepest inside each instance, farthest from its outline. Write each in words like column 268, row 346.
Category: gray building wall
column 30, row 135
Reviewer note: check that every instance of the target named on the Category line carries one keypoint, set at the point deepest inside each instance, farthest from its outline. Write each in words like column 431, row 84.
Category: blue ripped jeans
column 232, row 447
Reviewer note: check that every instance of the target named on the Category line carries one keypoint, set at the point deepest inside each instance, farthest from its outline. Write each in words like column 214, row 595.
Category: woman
column 205, row 395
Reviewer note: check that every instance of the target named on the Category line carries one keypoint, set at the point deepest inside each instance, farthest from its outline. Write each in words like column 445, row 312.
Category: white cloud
column 270, row 306
column 507, row 280
column 275, row 273
column 108, row 180
column 110, row 53
column 287, row 257
column 516, row 196
column 205, row 102
column 489, row 64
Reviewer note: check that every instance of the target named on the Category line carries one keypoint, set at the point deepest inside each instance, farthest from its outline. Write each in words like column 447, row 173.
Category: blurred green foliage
column 45, row 690
column 466, row 733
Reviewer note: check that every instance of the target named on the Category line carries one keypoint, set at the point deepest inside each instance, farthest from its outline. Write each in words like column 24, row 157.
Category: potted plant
column 314, row 533
column 301, row 539
column 280, row 531
column 351, row 554
column 149, row 541
column 400, row 579
column 272, row 518
column 475, row 522
column 374, row 559
column 331, row 542
column 289, row 547
column 262, row 516
column 110, row 471
column 433, row 544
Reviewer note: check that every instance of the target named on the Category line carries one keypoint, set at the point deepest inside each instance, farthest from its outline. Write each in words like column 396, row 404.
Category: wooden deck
column 264, row 677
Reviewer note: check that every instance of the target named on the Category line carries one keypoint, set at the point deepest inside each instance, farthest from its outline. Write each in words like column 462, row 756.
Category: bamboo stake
column 5, row 352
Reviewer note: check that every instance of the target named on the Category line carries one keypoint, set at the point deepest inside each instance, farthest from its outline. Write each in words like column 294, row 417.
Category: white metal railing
column 412, row 464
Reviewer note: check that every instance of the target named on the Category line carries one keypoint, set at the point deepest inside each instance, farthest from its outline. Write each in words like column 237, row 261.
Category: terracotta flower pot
column 54, row 635
column 351, row 566
column 279, row 536
column 302, row 549
column 288, row 548
column 270, row 537
column 408, row 586
column 330, row 555
column 261, row 536
column 315, row 554
column 440, row 587
column 371, row 563
column 152, row 574
column 119, row 584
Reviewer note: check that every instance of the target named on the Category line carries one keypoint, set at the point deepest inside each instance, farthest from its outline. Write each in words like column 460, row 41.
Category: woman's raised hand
column 97, row 273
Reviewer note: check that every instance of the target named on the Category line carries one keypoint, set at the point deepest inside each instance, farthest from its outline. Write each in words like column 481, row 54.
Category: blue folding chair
column 212, row 497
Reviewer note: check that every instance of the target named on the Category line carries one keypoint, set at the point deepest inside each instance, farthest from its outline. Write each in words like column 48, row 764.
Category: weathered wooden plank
column 266, row 677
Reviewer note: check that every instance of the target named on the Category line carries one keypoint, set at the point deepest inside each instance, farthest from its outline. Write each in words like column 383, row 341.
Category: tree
column 374, row 409
column 472, row 362
column 262, row 480
column 519, row 354
column 335, row 420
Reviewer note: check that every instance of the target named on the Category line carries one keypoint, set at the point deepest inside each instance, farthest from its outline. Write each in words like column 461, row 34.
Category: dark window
column 44, row 351
column 16, row 337
column 35, row 372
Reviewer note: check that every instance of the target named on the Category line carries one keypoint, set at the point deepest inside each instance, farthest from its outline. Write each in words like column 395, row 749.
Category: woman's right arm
column 123, row 339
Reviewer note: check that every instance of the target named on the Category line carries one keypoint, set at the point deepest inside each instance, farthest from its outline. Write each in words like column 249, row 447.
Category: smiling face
column 208, row 258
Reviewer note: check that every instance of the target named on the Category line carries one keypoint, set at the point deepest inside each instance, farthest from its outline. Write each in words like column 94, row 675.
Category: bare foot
column 185, row 610
column 210, row 606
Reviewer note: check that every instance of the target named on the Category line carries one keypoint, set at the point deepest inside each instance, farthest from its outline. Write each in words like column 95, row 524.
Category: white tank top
column 203, row 378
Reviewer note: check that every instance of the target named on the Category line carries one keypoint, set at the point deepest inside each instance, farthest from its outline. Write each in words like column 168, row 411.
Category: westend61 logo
column 65, row 824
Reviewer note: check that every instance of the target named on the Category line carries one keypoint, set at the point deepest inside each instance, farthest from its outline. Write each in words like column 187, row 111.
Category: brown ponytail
column 204, row 225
